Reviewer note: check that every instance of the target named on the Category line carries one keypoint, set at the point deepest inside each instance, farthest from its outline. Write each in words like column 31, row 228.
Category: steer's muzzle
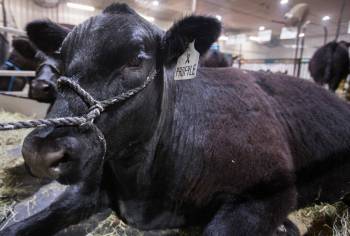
column 42, row 91
column 65, row 154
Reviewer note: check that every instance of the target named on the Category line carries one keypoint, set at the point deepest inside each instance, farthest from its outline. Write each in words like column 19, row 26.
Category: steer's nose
column 46, row 156
column 41, row 85
column 42, row 90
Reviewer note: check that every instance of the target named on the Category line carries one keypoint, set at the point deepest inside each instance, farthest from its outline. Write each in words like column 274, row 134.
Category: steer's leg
column 252, row 216
column 78, row 202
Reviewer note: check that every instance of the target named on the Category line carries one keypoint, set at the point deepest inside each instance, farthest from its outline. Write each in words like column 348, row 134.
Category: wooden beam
column 23, row 73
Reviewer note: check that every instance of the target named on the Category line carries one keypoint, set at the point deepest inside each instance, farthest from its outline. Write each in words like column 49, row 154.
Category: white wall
column 251, row 50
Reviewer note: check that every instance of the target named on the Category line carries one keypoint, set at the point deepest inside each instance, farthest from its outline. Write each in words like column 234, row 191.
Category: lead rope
column 95, row 107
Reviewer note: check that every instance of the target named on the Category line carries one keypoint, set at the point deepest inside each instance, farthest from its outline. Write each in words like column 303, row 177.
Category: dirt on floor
column 17, row 186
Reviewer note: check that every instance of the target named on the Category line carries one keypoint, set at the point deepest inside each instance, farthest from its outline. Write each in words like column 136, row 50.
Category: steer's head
column 47, row 37
column 107, row 55
column 44, row 86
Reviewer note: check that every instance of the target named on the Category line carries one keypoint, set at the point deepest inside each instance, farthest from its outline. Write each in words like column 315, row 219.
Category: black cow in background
column 4, row 48
column 44, row 87
column 330, row 64
column 27, row 56
column 215, row 58
column 22, row 57
column 232, row 151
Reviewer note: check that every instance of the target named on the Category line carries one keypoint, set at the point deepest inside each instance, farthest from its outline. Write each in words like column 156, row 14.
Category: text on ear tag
column 187, row 64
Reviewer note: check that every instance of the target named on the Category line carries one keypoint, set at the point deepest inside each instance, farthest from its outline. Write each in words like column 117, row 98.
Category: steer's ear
column 46, row 35
column 204, row 30
column 24, row 47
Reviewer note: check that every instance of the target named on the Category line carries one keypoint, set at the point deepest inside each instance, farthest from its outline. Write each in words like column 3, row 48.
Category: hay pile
column 323, row 220
column 16, row 185
column 11, row 189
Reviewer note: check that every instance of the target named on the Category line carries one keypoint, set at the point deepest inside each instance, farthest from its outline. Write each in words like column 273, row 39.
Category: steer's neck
column 133, row 161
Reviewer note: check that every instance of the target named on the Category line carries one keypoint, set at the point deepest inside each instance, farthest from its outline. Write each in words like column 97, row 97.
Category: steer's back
column 317, row 123
column 235, row 131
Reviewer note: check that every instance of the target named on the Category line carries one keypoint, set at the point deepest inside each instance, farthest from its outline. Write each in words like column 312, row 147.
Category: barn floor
column 17, row 186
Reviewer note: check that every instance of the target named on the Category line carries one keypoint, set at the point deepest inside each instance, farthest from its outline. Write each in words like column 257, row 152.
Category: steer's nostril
column 54, row 161
column 53, row 158
column 65, row 158
column 45, row 88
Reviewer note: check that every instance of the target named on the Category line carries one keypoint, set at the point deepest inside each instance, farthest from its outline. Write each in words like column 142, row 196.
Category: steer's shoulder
column 225, row 106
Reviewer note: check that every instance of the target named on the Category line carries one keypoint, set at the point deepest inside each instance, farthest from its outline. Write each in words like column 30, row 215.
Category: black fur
column 23, row 46
column 46, row 35
column 204, row 30
column 330, row 64
column 4, row 48
column 26, row 56
column 43, row 87
column 214, row 58
column 21, row 57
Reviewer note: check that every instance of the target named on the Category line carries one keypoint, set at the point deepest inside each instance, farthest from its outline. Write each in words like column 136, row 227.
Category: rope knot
column 94, row 112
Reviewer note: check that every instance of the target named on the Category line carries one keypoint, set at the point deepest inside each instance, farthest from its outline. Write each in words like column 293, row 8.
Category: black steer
column 214, row 58
column 232, row 151
column 25, row 56
column 330, row 64
column 22, row 57
column 43, row 87
column 30, row 53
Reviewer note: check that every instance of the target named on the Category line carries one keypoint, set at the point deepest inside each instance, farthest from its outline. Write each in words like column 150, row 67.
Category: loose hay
column 323, row 219
column 10, row 143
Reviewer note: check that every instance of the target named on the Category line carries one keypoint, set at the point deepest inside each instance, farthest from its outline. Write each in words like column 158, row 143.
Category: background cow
column 330, row 64
column 232, row 151
column 27, row 56
column 22, row 57
column 4, row 48
column 215, row 58
column 43, row 87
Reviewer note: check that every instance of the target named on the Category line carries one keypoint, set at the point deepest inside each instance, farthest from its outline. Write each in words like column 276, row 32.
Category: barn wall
column 251, row 50
column 20, row 12
column 254, row 51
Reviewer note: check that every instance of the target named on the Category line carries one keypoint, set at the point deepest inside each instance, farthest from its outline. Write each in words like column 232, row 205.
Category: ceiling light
column 155, row 3
column 223, row 38
column 261, row 28
column 326, row 18
column 80, row 6
column 218, row 17
column 283, row 2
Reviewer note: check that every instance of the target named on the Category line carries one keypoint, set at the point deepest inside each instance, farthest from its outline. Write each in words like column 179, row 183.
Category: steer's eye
column 135, row 62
